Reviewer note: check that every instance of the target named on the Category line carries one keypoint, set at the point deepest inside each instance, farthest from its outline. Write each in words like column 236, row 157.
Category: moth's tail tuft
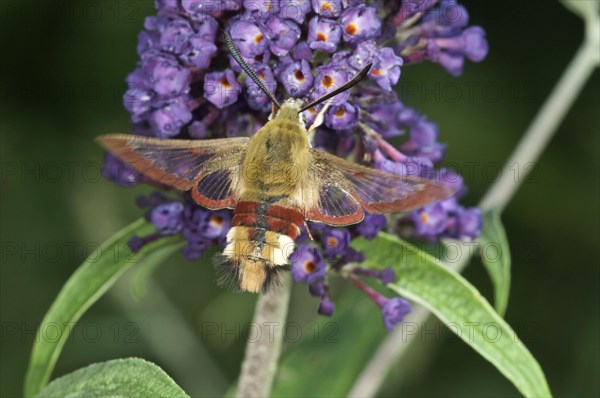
column 228, row 271
column 253, row 258
column 247, row 274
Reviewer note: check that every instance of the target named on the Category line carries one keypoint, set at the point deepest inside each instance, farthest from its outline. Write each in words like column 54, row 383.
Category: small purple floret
column 431, row 220
column 329, row 78
column 335, row 241
column 249, row 38
column 342, row 117
column 168, row 120
column 221, row 88
column 387, row 275
column 323, row 34
column 135, row 243
column 297, row 78
column 308, row 264
column 360, row 23
column 394, row 310
column 294, row 9
column 283, row 35
column 120, row 173
column 167, row 217
column 371, row 225
column 327, row 8
column 326, row 306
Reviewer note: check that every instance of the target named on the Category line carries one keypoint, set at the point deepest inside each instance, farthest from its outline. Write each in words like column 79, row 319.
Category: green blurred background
column 63, row 65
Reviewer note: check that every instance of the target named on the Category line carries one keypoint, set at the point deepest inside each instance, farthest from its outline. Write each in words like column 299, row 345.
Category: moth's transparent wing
column 344, row 189
column 209, row 168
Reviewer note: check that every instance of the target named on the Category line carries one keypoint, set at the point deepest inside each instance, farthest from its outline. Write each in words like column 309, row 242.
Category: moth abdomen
column 259, row 245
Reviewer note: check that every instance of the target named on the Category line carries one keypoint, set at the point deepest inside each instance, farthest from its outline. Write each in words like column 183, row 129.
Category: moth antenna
column 355, row 80
column 235, row 53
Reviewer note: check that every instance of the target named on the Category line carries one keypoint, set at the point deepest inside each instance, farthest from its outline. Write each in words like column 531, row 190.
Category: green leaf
column 495, row 255
column 97, row 273
column 423, row 279
column 130, row 377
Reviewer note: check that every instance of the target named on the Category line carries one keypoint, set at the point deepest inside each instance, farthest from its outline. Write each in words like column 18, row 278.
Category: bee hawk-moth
column 274, row 181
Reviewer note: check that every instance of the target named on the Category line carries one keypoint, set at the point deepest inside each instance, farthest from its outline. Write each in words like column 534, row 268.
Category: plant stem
column 543, row 126
column 527, row 152
column 263, row 348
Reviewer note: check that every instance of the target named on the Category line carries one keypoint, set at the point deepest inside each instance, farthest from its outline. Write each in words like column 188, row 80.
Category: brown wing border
column 222, row 154
column 356, row 180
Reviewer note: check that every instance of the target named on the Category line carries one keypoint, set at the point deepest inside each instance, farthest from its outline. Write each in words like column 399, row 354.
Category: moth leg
column 274, row 110
column 308, row 230
column 318, row 121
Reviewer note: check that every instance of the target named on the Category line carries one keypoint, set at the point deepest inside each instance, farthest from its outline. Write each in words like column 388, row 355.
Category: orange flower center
column 424, row 217
column 216, row 220
column 351, row 29
column 225, row 83
column 258, row 38
column 326, row 7
column 310, row 267
column 321, row 37
column 327, row 81
column 376, row 72
column 332, row 241
column 299, row 75
column 340, row 112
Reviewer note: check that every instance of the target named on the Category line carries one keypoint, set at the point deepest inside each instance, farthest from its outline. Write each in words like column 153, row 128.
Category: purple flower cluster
column 437, row 31
column 311, row 263
column 187, row 85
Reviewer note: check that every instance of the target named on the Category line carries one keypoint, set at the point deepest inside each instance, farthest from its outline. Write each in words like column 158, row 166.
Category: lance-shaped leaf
column 130, row 377
column 97, row 273
column 424, row 280
column 495, row 255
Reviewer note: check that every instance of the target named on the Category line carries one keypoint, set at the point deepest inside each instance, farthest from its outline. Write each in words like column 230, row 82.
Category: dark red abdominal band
column 283, row 220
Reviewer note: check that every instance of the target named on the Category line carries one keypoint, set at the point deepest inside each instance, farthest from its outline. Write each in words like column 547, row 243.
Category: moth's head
column 290, row 109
